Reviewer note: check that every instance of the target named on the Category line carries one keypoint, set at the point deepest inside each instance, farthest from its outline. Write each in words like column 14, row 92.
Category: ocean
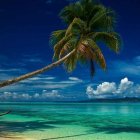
column 71, row 121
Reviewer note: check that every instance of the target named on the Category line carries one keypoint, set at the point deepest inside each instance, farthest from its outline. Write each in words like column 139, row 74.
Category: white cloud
column 52, row 94
column 103, row 88
column 125, row 88
column 14, row 96
column 39, row 83
column 106, row 87
column 39, row 79
column 11, row 70
column 58, row 84
column 44, row 95
column 50, row 78
column 125, row 85
column 75, row 79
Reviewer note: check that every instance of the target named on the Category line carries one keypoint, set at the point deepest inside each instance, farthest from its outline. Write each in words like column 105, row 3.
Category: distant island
column 114, row 100
column 101, row 100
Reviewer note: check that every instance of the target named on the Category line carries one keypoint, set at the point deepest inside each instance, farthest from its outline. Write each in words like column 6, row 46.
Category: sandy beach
column 17, row 138
column 14, row 138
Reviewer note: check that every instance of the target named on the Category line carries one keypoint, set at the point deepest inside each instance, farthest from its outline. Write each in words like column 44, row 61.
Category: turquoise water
column 73, row 121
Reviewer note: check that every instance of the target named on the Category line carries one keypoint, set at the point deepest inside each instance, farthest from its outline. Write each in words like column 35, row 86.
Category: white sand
column 14, row 138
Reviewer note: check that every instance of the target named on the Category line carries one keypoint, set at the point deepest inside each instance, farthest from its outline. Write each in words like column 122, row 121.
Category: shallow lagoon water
column 71, row 121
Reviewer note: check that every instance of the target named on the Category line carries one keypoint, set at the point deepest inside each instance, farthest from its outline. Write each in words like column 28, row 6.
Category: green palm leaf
column 112, row 40
column 70, row 63
column 104, row 20
column 77, row 25
column 56, row 36
column 97, row 51
column 59, row 46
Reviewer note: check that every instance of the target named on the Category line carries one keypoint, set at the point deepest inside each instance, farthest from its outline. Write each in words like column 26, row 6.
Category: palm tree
column 88, row 24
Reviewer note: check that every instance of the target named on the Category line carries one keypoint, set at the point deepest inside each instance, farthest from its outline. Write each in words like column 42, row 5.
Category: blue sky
column 25, row 29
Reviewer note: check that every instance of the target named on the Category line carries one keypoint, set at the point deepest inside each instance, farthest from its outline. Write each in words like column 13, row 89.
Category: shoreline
column 14, row 138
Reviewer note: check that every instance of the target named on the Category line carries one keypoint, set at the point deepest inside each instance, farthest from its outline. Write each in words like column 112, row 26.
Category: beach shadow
column 115, row 129
column 53, row 119
column 42, row 115
column 8, row 126
column 68, row 136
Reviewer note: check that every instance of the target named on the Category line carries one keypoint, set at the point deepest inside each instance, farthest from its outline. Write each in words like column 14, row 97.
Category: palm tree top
column 88, row 23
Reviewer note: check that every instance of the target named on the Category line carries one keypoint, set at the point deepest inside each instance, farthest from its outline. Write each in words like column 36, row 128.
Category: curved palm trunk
column 31, row 74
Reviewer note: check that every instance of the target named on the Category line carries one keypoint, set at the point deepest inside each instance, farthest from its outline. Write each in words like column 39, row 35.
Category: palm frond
column 70, row 12
column 56, row 36
column 86, row 51
column 104, row 20
column 77, row 24
column 69, row 46
column 59, row 46
column 98, row 55
column 112, row 40
column 94, row 10
column 92, row 68
column 71, row 62
column 80, row 9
